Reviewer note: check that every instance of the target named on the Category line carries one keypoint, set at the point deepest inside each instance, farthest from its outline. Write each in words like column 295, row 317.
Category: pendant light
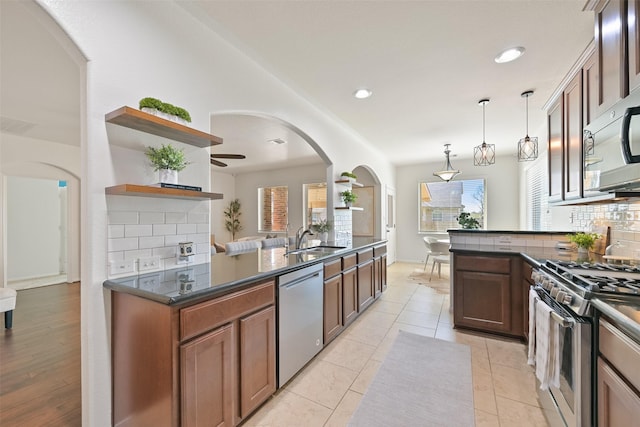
column 527, row 147
column 484, row 154
column 448, row 173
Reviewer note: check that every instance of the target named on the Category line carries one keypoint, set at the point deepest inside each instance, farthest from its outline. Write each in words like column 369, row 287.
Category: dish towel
column 554, row 354
column 531, row 354
column 543, row 343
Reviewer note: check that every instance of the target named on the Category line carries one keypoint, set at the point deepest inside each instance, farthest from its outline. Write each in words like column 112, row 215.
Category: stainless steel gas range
column 568, row 288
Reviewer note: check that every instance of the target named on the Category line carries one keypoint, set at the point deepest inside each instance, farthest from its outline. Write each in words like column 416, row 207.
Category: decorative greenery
column 584, row 240
column 232, row 218
column 165, row 108
column 166, row 157
column 348, row 196
column 467, row 221
column 348, row 175
column 322, row 226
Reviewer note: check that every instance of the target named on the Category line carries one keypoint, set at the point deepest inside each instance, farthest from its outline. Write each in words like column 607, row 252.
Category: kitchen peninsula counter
column 226, row 273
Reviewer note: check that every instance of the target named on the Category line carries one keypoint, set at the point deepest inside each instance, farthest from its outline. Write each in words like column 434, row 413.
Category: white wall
column 224, row 184
column 502, row 180
column 140, row 49
column 33, row 237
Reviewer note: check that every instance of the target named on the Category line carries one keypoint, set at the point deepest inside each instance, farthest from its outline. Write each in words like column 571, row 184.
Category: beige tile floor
column 327, row 391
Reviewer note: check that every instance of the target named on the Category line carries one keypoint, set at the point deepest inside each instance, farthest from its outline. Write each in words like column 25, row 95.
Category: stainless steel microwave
column 611, row 148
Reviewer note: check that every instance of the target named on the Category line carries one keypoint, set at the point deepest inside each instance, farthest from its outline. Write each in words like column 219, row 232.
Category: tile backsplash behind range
column 144, row 228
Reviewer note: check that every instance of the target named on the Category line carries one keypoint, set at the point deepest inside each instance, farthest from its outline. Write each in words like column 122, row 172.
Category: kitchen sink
column 317, row 250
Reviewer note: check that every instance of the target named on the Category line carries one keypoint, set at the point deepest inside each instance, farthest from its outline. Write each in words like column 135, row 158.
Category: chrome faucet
column 300, row 235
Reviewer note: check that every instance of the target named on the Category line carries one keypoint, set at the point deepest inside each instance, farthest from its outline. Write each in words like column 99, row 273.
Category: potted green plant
column 468, row 222
column 322, row 228
column 168, row 160
column 348, row 197
column 165, row 110
column 232, row 218
column 349, row 175
column 584, row 241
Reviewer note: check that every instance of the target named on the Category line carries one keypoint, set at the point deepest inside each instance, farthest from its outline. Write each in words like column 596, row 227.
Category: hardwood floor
column 40, row 359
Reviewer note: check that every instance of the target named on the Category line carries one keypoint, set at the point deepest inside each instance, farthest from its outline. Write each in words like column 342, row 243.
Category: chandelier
column 527, row 147
column 484, row 154
column 448, row 173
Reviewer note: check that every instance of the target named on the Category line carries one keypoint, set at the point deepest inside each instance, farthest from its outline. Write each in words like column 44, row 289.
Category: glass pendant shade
column 484, row 154
column 527, row 146
column 448, row 173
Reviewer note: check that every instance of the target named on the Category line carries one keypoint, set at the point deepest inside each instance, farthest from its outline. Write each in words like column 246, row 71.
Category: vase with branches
column 232, row 218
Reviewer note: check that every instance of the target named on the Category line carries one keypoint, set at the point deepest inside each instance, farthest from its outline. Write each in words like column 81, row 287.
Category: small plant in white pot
column 168, row 161
column 322, row 228
column 348, row 197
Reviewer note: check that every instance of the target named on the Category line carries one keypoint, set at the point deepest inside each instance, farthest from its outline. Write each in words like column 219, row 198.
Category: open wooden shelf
column 349, row 182
column 151, row 191
column 349, row 208
column 148, row 123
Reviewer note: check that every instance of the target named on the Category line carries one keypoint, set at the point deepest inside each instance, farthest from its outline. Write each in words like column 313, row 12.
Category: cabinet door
column 610, row 38
column 349, row 296
column 633, row 33
column 332, row 308
column 257, row 359
column 618, row 404
column 590, row 89
column 556, row 152
column 207, row 379
column 377, row 277
column 383, row 272
column 365, row 284
column 573, row 138
column 483, row 301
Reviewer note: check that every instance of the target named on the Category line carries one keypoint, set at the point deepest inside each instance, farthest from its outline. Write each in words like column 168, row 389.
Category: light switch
column 121, row 267
column 149, row 263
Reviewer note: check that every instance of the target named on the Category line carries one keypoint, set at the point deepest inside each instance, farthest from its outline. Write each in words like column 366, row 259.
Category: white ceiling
column 427, row 62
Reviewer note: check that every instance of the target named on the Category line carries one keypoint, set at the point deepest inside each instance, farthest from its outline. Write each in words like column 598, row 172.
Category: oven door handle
column 565, row 322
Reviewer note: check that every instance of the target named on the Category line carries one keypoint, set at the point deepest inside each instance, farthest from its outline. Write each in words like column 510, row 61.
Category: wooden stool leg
column 8, row 319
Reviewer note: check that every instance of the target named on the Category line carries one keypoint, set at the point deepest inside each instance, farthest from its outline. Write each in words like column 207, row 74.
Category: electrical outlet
column 149, row 263
column 121, row 267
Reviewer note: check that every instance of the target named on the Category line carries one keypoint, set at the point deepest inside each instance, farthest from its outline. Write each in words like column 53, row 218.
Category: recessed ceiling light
column 277, row 141
column 362, row 93
column 509, row 55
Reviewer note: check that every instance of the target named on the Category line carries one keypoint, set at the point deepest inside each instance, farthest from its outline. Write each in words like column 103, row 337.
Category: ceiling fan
column 225, row 156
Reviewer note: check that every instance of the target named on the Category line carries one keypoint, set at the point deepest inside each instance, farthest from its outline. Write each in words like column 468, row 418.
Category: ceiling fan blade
column 217, row 163
column 228, row 156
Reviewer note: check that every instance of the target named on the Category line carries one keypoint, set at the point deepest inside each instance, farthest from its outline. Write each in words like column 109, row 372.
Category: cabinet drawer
column 620, row 351
column 379, row 250
column 202, row 317
column 349, row 261
column 365, row 255
column 483, row 263
column 332, row 268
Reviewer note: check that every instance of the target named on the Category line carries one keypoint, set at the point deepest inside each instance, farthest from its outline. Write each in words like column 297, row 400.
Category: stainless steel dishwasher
column 300, row 300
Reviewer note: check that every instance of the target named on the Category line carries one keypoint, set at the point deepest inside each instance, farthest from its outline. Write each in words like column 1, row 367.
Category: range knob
column 567, row 299
column 554, row 291
column 535, row 276
column 560, row 296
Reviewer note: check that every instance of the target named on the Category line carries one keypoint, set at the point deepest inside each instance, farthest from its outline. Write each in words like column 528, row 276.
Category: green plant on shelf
column 166, row 157
column 348, row 175
column 348, row 197
column 165, row 108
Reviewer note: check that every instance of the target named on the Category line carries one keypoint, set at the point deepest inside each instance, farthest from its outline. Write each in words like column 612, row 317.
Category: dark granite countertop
column 534, row 255
column 225, row 273
column 498, row 232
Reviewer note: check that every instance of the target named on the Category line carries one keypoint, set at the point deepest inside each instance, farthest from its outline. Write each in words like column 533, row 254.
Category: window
column 315, row 202
column 440, row 203
column 272, row 209
column 537, row 196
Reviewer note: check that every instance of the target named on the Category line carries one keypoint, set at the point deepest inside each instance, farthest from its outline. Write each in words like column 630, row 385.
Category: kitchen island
column 199, row 342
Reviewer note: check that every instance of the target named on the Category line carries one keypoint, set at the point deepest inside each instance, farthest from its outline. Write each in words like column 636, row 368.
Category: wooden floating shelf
column 349, row 208
column 348, row 182
column 145, row 122
column 151, row 191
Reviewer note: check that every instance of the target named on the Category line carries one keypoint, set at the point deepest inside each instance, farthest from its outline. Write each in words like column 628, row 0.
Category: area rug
column 441, row 285
column 422, row 382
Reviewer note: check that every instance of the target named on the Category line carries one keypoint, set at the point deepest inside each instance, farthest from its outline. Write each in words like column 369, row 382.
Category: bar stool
column 7, row 304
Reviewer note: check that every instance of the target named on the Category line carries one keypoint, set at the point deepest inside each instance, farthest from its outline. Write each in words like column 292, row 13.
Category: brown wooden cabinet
column 349, row 295
column 633, row 36
column 488, row 293
column 590, row 89
column 572, row 138
column 379, row 270
column 207, row 379
column 611, row 53
column 365, row 284
column 333, row 319
column 527, row 282
column 618, row 377
column 211, row 363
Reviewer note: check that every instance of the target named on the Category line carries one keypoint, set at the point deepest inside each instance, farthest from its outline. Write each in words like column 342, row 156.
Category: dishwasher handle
column 299, row 281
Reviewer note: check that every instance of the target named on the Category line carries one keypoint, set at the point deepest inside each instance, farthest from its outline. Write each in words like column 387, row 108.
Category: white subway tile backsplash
column 115, row 231
column 124, row 244
column 151, row 217
column 198, row 238
column 174, row 240
column 137, row 230
column 198, row 217
column 165, row 252
column 176, row 217
column 141, row 253
column 164, row 229
column 151, row 242
column 186, row 228
column 203, row 248
column 202, row 228
column 115, row 256
column 118, row 217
